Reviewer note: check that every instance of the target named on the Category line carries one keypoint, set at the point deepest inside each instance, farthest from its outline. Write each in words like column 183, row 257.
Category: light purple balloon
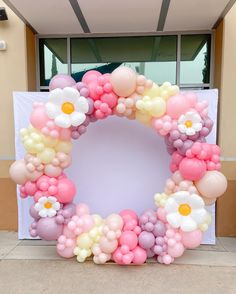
column 48, row 229
column 61, row 81
column 146, row 240
column 159, row 229
column 150, row 253
column 33, row 212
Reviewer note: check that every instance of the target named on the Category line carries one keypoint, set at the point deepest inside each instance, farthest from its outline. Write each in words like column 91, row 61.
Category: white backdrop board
column 117, row 164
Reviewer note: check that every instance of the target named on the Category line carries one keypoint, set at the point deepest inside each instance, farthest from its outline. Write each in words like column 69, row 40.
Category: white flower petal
column 196, row 118
column 38, row 206
column 198, row 215
column 82, row 105
column 174, row 219
column 63, row 120
column 182, row 128
column 43, row 199
column 195, row 201
column 56, row 96
column 197, row 126
column 43, row 213
column 190, row 131
column 52, row 199
column 188, row 224
column 171, row 205
column 51, row 212
column 77, row 118
column 52, row 109
column 56, row 205
column 182, row 119
column 181, row 197
column 70, row 94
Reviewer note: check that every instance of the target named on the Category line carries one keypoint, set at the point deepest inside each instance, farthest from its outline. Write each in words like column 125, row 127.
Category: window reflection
column 195, row 59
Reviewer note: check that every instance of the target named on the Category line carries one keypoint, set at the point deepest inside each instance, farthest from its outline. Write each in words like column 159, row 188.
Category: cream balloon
column 123, row 80
column 208, row 201
column 212, row 185
column 18, row 172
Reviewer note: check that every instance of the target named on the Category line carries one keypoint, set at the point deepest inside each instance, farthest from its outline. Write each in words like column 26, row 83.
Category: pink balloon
column 140, row 255
column 177, row 105
column 123, row 80
column 128, row 214
column 212, row 185
column 39, row 117
column 66, row 190
column 108, row 246
column 161, row 214
column 61, row 81
column 192, row 169
column 90, row 76
column 82, row 209
column 129, row 238
column 177, row 250
column 191, row 239
column 67, row 252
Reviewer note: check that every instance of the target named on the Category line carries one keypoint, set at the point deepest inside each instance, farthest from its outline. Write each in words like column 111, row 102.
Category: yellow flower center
column 67, row 107
column 188, row 123
column 184, row 209
column 48, row 205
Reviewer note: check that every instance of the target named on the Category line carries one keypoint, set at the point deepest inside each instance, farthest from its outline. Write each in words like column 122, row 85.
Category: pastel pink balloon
column 108, row 246
column 192, row 169
column 123, row 80
column 67, row 252
column 129, row 238
column 212, row 185
column 33, row 176
column 191, row 239
column 177, row 105
column 18, row 172
column 90, row 76
column 161, row 214
column 82, row 209
column 208, row 201
column 61, row 81
column 140, row 255
column 66, row 191
column 39, row 117
column 177, row 250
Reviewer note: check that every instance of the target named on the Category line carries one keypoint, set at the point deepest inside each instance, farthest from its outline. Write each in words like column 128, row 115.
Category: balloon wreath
column 180, row 218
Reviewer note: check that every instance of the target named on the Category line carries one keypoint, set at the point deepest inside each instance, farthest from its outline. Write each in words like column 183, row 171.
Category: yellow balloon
column 84, row 241
column 144, row 118
column 47, row 155
column 158, row 107
column 63, row 146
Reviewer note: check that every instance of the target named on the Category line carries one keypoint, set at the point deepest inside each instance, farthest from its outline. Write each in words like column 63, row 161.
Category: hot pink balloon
column 192, row 169
column 129, row 238
column 140, row 255
column 66, row 191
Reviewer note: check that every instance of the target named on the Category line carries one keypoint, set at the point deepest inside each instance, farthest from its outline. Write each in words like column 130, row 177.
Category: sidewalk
column 34, row 267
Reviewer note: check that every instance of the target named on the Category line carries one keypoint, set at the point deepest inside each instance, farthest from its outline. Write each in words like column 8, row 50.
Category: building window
column 195, row 59
column 179, row 59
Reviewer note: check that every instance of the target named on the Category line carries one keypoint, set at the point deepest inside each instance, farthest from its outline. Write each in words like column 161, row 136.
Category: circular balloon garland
column 180, row 218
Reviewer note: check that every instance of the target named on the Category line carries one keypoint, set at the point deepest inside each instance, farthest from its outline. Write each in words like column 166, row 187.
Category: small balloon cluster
column 180, row 217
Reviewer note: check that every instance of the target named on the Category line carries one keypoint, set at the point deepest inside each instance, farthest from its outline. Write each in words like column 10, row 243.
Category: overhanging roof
column 122, row 16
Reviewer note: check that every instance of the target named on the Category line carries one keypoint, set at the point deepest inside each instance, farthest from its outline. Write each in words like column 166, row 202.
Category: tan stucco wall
column 13, row 76
column 225, row 80
column 227, row 126
column 17, row 73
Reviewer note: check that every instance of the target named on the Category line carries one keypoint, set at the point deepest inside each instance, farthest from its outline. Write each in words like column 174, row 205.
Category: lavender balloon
column 146, row 240
column 65, row 213
column 48, row 229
